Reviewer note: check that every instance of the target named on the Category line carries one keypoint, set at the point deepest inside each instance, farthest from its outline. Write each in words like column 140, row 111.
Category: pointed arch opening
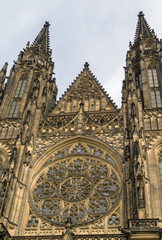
column 15, row 106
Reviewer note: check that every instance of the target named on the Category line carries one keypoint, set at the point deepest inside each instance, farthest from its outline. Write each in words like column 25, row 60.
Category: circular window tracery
column 81, row 186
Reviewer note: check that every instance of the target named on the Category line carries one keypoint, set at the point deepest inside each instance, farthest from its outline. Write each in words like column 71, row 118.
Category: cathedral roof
column 143, row 28
column 42, row 40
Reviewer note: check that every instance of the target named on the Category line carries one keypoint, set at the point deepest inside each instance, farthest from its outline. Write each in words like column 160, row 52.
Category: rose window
column 75, row 188
column 83, row 187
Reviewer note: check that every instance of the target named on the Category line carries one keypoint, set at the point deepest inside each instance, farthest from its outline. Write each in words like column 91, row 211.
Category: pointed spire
column 42, row 40
column 143, row 28
column 2, row 80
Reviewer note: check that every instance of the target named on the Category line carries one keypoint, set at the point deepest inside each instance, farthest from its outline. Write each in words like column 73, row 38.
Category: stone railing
column 58, row 237
column 143, row 223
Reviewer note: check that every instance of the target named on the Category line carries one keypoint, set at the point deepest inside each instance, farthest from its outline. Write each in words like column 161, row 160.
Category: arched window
column 153, row 80
column 154, row 87
column 140, row 81
column 17, row 97
column 155, row 99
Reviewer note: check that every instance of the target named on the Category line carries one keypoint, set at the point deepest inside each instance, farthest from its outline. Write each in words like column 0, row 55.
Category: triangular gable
column 85, row 89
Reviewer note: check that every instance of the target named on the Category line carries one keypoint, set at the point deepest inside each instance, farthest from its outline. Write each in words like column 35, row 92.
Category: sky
column 93, row 31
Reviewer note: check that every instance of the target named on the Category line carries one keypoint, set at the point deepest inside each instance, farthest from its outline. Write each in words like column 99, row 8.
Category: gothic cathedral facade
column 81, row 168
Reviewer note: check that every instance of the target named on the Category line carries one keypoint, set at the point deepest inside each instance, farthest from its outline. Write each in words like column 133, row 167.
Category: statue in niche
column 24, row 132
column 127, row 133
column 133, row 110
column 13, row 158
column 27, row 158
column 140, row 194
column 140, row 191
column 141, row 132
column 25, row 127
column 136, row 150
column 127, row 152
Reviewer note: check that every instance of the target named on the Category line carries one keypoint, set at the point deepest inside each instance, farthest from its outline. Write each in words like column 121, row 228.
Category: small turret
column 2, row 79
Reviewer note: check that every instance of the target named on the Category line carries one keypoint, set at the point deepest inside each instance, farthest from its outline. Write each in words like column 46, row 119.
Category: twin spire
column 143, row 28
column 42, row 40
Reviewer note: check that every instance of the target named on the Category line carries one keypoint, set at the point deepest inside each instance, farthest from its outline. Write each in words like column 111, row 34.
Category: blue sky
column 97, row 31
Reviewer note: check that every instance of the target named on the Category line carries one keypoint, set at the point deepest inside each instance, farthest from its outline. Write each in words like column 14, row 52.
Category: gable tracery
column 85, row 89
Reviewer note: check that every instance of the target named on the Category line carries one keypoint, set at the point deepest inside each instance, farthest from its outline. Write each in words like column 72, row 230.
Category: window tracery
column 32, row 222
column 153, row 80
column 155, row 98
column 154, row 85
column 114, row 220
column 82, row 184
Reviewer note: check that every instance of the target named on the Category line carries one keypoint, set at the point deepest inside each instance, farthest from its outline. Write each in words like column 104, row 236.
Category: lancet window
column 139, row 78
column 153, row 80
column 155, row 99
column 154, row 85
column 17, row 97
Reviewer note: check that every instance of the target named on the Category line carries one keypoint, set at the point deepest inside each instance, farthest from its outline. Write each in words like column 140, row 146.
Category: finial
column 3, row 73
column 141, row 14
column 81, row 105
column 68, row 223
column 68, row 235
column 130, row 44
column 86, row 65
column 27, row 45
column 46, row 24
